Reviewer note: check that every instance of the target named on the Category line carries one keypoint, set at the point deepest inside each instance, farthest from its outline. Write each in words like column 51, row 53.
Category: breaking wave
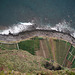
column 17, row 28
column 64, row 27
column 20, row 27
column 61, row 27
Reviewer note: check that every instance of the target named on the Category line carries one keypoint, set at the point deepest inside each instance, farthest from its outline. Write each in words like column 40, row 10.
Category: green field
column 58, row 49
column 4, row 46
column 71, row 55
column 73, row 64
column 19, row 62
column 49, row 47
column 61, row 48
column 30, row 45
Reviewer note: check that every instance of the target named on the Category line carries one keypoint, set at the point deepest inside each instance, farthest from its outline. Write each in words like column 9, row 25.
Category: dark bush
column 50, row 66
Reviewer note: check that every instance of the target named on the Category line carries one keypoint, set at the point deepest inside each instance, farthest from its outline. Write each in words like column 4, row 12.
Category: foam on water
column 61, row 27
column 64, row 27
column 20, row 27
column 17, row 28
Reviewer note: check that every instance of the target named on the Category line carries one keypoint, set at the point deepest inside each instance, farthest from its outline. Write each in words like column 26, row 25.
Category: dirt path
column 46, row 49
column 53, row 49
column 41, row 52
column 43, row 49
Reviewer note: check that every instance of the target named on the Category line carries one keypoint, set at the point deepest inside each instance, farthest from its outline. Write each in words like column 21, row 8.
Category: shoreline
column 38, row 32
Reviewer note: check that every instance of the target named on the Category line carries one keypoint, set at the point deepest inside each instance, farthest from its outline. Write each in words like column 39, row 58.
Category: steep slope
column 19, row 60
column 57, row 50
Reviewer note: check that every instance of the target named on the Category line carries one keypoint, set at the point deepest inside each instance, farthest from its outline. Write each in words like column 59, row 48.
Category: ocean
column 55, row 14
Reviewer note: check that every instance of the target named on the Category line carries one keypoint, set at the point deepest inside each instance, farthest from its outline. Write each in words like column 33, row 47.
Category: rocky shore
column 43, row 33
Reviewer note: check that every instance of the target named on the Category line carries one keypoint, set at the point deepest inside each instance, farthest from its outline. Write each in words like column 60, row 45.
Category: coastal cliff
column 44, row 33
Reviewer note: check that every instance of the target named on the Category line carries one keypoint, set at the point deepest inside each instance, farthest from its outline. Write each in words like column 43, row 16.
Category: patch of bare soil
column 53, row 48
column 43, row 49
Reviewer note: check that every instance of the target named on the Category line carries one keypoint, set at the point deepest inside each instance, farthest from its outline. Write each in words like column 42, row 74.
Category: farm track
column 53, row 49
column 43, row 49
column 46, row 49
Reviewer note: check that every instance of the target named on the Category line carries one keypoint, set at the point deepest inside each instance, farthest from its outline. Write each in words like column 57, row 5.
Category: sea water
column 57, row 15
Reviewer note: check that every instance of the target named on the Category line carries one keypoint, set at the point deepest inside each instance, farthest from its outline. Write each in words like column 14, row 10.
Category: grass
column 67, row 47
column 39, row 38
column 8, row 46
column 70, row 59
column 21, row 61
column 51, row 47
column 57, row 50
column 48, row 45
column 2, row 48
column 73, row 52
column 73, row 64
column 30, row 45
column 61, row 72
column 27, row 45
column 71, row 48
column 61, row 50
column 70, row 56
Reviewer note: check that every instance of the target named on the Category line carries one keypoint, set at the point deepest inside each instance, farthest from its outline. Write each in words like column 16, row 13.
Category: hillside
column 23, row 61
column 38, row 55
column 18, row 62
column 57, row 50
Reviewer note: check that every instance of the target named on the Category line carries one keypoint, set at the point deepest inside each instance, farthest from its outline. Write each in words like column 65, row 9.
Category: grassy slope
column 46, row 72
column 8, row 46
column 61, row 47
column 19, row 60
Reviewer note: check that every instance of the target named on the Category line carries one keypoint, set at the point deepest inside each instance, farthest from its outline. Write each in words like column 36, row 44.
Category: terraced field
column 31, row 45
column 60, row 50
column 5, row 46
column 70, row 60
column 63, row 52
column 43, row 51
column 55, row 49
